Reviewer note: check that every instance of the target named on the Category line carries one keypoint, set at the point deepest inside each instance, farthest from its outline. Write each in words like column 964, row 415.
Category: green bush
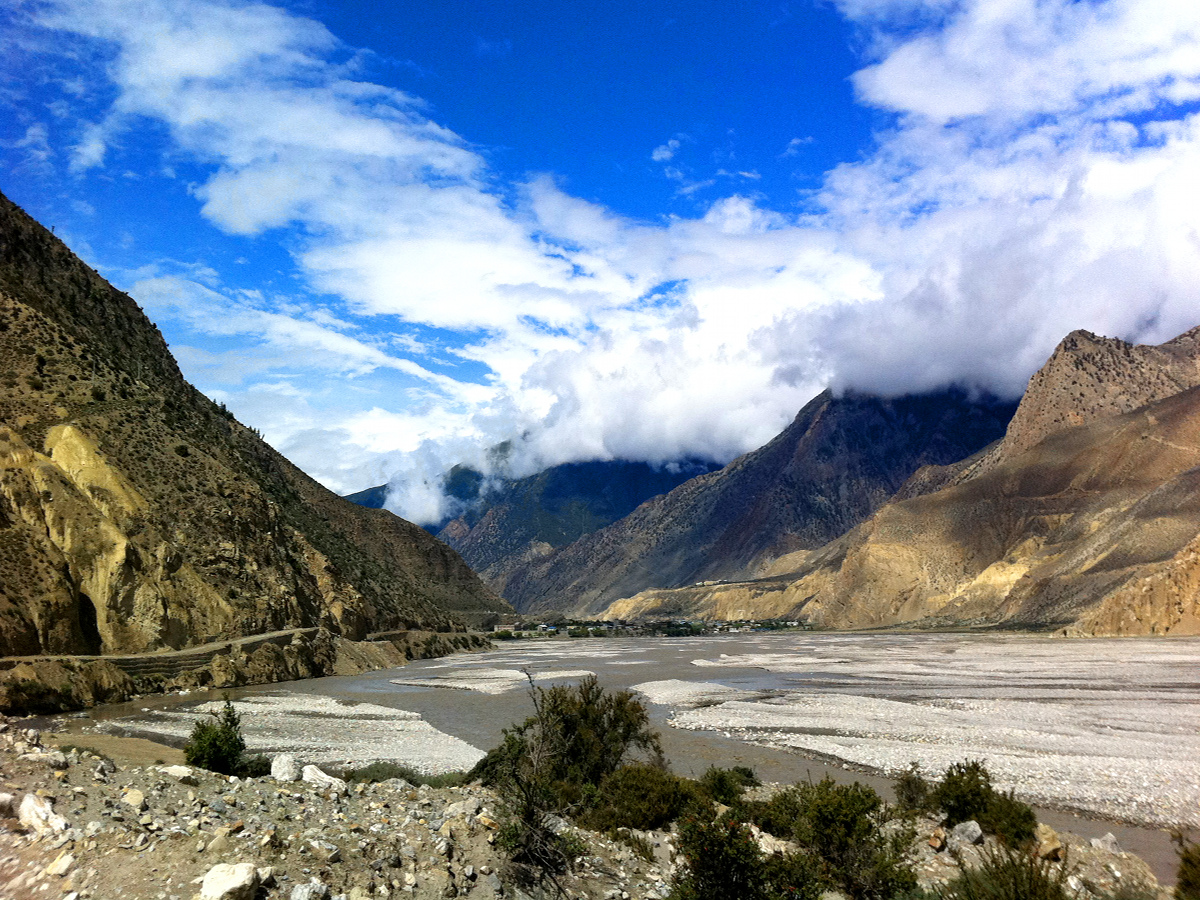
column 1187, row 882
column 639, row 796
column 726, row 785
column 842, row 826
column 255, row 766
column 577, row 737
column 1009, row 874
column 913, row 791
column 964, row 793
column 1009, row 819
column 721, row 861
column 216, row 744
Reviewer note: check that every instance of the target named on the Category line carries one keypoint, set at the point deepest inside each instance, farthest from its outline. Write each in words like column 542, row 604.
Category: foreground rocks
column 97, row 830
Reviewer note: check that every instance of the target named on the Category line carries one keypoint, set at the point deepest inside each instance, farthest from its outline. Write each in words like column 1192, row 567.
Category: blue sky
column 392, row 235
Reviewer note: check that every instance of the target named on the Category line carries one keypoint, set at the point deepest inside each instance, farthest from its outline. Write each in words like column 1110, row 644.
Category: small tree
column 216, row 744
column 1187, row 882
column 544, row 768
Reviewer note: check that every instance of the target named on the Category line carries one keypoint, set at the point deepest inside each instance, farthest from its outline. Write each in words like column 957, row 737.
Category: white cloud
column 1039, row 175
column 665, row 152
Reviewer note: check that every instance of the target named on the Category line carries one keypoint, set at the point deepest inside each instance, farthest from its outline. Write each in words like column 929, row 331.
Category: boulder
column 61, row 865
column 1108, row 843
column 182, row 774
column 135, row 799
column 314, row 890
column 314, row 775
column 1048, row 845
column 967, row 833
column 468, row 807
column 38, row 816
column 225, row 881
column 285, row 768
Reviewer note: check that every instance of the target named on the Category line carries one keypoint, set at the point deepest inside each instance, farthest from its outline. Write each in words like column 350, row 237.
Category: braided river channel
column 1100, row 735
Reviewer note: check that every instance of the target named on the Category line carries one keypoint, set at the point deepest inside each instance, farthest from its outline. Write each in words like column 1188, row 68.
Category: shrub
column 964, row 793
column 1187, row 882
column 913, row 791
column 640, row 796
column 217, row 744
column 577, row 737
column 1008, row 874
column 842, row 826
column 1010, row 820
column 721, row 861
column 384, row 770
column 581, row 735
column 726, row 785
column 256, row 766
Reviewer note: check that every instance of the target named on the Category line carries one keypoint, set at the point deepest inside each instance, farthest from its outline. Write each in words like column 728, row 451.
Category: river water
column 1109, row 728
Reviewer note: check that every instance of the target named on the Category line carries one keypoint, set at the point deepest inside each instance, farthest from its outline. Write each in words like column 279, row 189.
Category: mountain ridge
column 137, row 514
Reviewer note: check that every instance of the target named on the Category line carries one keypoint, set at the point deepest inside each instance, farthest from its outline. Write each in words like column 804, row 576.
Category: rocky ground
column 75, row 825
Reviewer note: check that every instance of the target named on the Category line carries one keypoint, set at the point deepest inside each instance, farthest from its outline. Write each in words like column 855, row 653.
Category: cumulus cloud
column 1039, row 173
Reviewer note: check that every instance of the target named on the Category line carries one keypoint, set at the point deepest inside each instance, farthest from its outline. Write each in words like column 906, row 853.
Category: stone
column 8, row 806
column 61, row 865
column 182, row 774
column 937, row 840
column 136, row 799
column 1108, row 843
column 225, row 881
column 266, row 876
column 468, row 807
column 1048, row 845
column 314, row 775
column 314, row 890
column 967, row 833
column 284, row 767
column 325, row 851
column 219, row 844
column 51, row 758
column 39, row 816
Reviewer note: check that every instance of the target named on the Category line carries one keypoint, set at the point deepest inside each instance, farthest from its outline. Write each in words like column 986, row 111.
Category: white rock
column 314, row 890
column 967, row 833
column 285, row 768
column 52, row 758
column 37, row 814
column 313, row 775
column 1107, row 843
column 182, row 774
column 238, row 881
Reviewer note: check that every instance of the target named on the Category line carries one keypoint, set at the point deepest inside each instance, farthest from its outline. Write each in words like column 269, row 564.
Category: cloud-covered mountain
column 839, row 460
column 1086, row 517
column 136, row 514
column 355, row 272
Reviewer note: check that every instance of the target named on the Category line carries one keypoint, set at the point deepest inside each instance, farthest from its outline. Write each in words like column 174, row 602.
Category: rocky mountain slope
column 1085, row 518
column 78, row 823
column 136, row 514
column 523, row 519
column 512, row 520
column 839, row 460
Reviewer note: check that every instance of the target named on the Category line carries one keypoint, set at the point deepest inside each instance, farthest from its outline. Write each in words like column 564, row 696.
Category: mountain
column 136, row 514
column 838, row 461
column 511, row 520
column 1085, row 518
column 525, row 518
